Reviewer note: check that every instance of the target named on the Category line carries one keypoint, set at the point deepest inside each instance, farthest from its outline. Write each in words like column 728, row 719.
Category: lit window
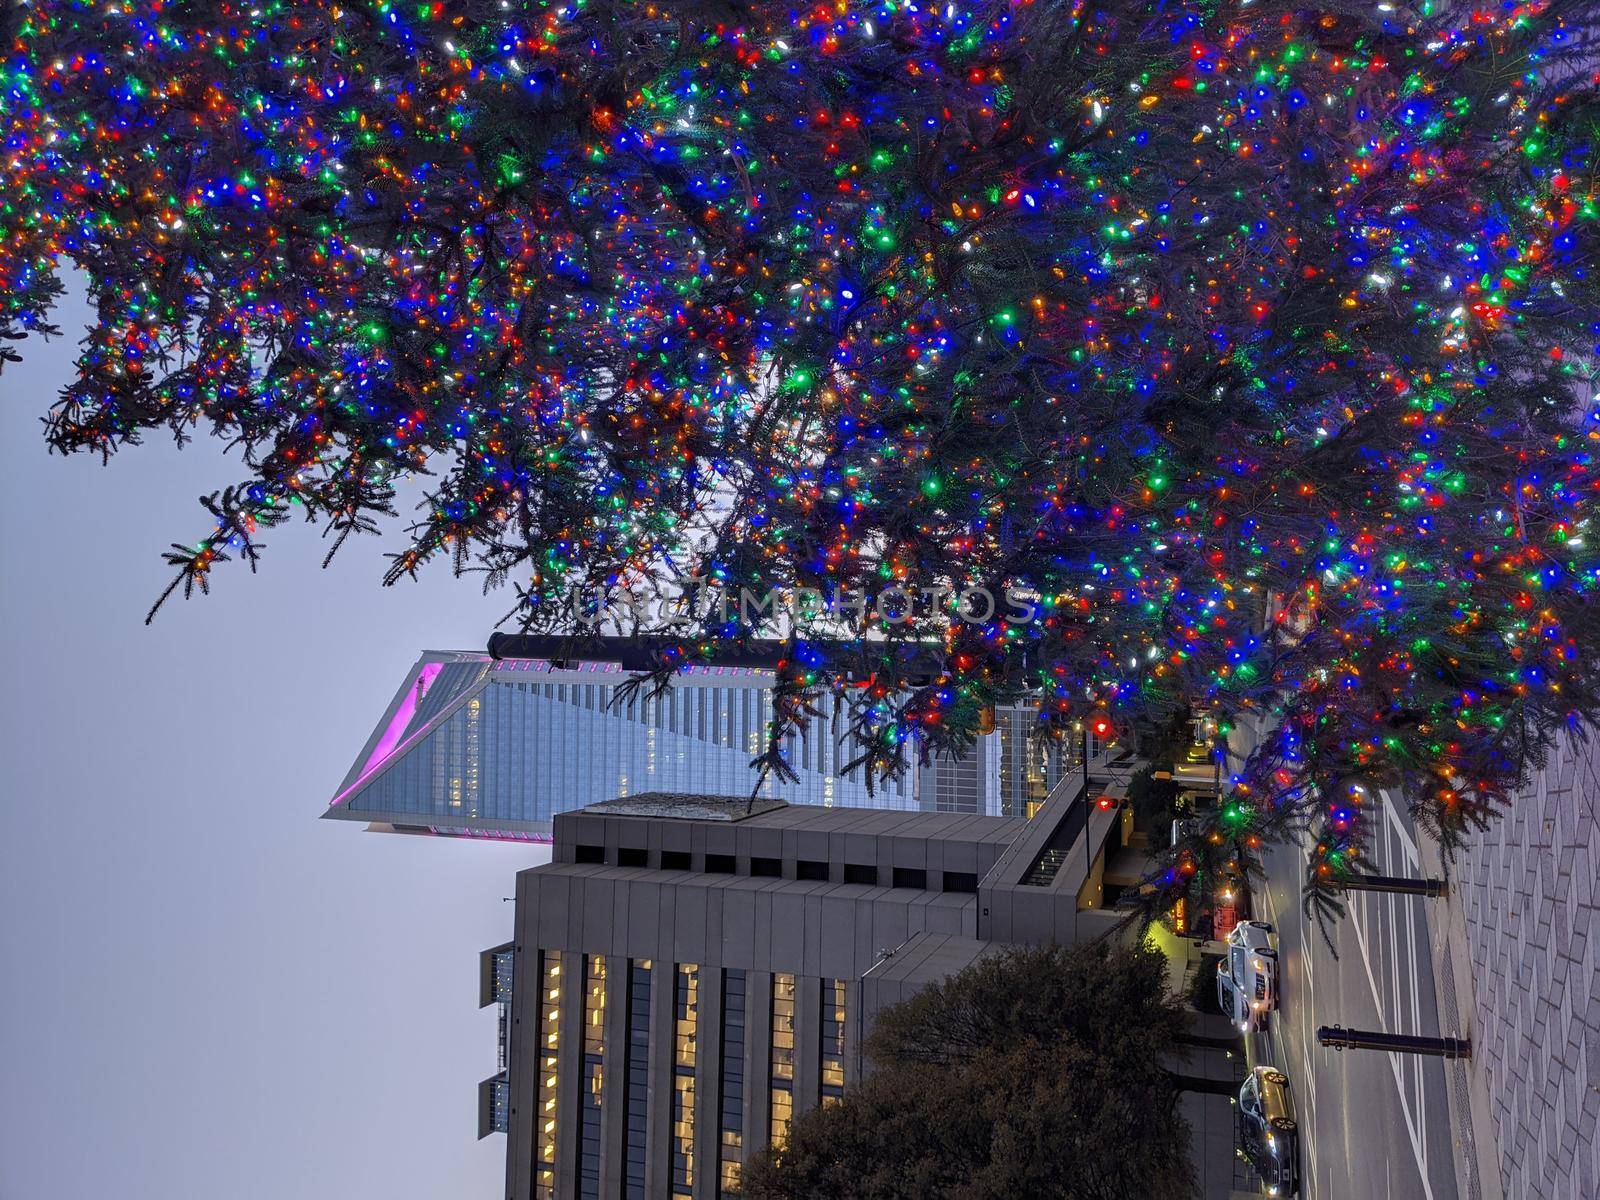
column 732, row 1124
column 686, row 1020
column 782, row 1056
column 832, row 1040
column 594, row 1034
column 549, row 1047
column 782, row 1114
column 638, row 1085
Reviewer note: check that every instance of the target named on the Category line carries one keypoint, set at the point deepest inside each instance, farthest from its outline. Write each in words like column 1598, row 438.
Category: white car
column 1247, row 977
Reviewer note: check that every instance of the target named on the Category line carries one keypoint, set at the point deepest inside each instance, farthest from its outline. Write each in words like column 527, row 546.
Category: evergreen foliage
column 1252, row 340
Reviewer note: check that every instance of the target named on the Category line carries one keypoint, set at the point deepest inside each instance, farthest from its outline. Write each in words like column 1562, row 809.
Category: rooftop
column 685, row 807
column 775, row 814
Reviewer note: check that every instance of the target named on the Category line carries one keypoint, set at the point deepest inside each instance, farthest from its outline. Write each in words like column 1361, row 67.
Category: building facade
column 472, row 746
column 687, row 975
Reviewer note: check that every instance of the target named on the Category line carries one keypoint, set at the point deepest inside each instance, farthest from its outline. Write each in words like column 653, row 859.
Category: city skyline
column 1038, row 600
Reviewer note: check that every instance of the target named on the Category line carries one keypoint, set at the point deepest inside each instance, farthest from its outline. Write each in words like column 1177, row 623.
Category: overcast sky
column 205, row 991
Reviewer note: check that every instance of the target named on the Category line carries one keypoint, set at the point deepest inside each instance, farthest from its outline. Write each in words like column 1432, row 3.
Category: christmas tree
column 1242, row 348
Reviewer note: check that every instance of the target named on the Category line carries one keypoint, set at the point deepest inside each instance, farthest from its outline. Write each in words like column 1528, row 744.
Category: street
column 1373, row 1125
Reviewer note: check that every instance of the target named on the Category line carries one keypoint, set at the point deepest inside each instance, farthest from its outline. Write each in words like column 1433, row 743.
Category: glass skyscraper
column 475, row 747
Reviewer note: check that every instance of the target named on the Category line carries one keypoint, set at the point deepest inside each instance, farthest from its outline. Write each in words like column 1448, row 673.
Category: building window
column 721, row 864
column 768, row 867
column 638, row 1075
column 589, row 854
column 810, row 868
column 732, row 1141
column 504, row 965
column 632, row 856
column 910, row 877
column 782, row 1056
column 832, row 1040
column 549, row 1053
column 500, row 1106
column 960, row 881
column 674, row 860
column 686, row 993
column 861, row 873
column 594, row 1042
column 782, row 1114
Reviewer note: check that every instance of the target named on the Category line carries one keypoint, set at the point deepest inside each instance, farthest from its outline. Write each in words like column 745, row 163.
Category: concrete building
column 688, row 973
column 471, row 746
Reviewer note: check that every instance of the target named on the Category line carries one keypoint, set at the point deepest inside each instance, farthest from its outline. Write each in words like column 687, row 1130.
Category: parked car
column 1269, row 1136
column 1247, row 976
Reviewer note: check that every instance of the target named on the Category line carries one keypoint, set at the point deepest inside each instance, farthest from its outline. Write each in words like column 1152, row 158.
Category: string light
column 1248, row 341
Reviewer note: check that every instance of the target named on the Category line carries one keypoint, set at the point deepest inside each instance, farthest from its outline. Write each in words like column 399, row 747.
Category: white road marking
column 1411, row 864
column 1386, row 803
column 1394, row 1065
column 1398, row 850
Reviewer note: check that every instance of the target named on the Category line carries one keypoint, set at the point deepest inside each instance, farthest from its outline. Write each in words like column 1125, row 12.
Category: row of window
column 544, row 1185
column 832, row 1040
column 772, row 868
column 525, row 753
column 502, row 966
column 735, row 717
column 728, row 1105
column 686, row 1029
column 640, row 973
column 594, row 1044
column 782, row 1061
column 731, row 1150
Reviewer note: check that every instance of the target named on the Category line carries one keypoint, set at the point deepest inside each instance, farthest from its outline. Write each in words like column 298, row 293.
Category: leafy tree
column 1036, row 1072
column 1153, row 802
column 1203, row 986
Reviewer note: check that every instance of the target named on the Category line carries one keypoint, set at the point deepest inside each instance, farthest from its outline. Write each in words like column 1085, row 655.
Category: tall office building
column 685, row 977
column 472, row 746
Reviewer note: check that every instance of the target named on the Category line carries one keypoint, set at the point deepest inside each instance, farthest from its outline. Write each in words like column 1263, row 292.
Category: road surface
column 1373, row 1125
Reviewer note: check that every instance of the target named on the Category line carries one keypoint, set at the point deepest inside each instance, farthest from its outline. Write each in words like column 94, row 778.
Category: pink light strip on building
column 389, row 743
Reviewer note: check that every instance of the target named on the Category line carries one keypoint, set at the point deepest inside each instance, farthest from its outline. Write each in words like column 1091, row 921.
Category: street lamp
column 1339, row 1038
column 1397, row 884
column 1100, row 725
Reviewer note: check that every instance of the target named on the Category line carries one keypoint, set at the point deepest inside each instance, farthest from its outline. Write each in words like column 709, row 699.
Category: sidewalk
column 1471, row 1126
column 1217, row 1059
column 1516, row 965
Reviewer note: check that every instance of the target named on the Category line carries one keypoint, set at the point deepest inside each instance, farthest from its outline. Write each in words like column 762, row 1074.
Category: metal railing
column 500, row 1106
column 503, row 967
column 503, row 1038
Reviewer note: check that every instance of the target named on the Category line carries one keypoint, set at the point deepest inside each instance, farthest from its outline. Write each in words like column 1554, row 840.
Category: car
column 1247, row 976
column 1269, row 1136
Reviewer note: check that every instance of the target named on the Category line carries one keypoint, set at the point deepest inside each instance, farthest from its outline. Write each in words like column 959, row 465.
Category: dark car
column 1268, row 1133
